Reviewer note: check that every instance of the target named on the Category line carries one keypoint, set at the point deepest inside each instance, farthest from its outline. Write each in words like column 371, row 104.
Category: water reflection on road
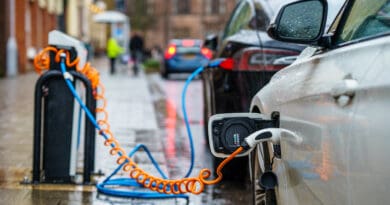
column 16, row 127
column 167, row 95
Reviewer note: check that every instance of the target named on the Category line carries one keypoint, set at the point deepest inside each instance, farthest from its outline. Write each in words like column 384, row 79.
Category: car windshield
column 367, row 18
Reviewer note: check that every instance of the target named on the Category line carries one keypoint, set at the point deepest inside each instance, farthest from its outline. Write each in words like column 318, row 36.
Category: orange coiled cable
column 42, row 60
column 194, row 185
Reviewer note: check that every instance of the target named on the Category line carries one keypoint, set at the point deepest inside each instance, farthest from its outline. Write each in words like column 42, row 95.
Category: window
column 181, row 32
column 150, row 7
column 239, row 20
column 261, row 20
column 366, row 19
column 182, row 6
column 215, row 6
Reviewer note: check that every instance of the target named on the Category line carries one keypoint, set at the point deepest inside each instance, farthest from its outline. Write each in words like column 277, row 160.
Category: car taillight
column 266, row 59
column 207, row 53
column 170, row 52
column 227, row 64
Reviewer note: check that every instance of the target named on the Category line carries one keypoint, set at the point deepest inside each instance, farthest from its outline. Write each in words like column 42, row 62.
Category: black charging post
column 53, row 125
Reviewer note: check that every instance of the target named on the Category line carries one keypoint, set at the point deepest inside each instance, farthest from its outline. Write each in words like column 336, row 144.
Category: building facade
column 170, row 19
column 29, row 22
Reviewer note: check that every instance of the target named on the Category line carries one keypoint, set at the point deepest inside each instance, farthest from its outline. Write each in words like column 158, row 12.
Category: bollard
column 53, row 126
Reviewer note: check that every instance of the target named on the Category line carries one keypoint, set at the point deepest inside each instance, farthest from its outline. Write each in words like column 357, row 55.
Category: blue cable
column 125, row 181
column 132, row 182
column 211, row 64
column 128, row 182
column 184, row 110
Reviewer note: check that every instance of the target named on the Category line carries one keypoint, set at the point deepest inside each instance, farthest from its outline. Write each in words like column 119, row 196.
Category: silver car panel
column 337, row 102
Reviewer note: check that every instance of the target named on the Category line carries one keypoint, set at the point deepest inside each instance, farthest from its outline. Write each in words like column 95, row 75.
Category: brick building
column 161, row 20
column 34, row 19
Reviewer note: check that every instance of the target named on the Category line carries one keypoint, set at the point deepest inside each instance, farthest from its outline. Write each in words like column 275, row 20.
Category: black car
column 251, row 59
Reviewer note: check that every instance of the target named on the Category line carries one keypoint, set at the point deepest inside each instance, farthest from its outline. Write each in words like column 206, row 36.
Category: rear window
column 239, row 20
column 194, row 49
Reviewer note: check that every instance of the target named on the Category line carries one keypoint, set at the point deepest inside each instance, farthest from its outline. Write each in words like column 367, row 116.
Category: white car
column 336, row 98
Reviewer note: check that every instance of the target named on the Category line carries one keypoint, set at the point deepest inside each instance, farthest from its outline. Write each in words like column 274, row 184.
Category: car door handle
column 347, row 87
column 344, row 92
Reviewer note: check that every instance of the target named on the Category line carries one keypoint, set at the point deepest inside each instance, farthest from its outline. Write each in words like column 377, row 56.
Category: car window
column 263, row 20
column 239, row 20
column 366, row 18
column 181, row 49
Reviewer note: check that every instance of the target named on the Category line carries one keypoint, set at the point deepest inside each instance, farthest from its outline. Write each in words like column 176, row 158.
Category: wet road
column 167, row 97
column 133, row 121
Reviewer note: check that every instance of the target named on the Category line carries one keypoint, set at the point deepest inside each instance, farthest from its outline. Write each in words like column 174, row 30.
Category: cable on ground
column 194, row 185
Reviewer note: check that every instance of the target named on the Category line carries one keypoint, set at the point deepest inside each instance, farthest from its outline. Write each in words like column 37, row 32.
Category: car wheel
column 259, row 195
column 164, row 72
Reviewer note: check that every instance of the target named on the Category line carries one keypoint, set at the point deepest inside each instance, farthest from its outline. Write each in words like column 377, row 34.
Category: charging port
column 228, row 131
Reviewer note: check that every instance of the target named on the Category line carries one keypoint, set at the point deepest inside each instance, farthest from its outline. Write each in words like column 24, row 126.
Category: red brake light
column 207, row 53
column 170, row 52
column 227, row 64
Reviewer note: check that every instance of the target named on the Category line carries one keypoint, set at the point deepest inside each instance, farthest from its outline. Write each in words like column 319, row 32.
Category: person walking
column 113, row 51
column 136, row 48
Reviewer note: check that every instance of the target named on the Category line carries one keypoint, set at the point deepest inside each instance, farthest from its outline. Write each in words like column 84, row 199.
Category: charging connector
column 215, row 63
column 271, row 135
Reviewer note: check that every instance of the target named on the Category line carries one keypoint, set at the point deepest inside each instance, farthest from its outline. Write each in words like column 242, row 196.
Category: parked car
column 184, row 56
column 252, row 58
column 335, row 97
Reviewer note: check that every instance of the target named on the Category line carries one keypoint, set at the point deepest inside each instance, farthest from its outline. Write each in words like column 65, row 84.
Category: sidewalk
column 131, row 114
column 132, row 118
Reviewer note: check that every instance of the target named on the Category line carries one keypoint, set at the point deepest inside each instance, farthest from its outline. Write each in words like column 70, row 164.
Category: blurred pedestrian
column 113, row 51
column 136, row 48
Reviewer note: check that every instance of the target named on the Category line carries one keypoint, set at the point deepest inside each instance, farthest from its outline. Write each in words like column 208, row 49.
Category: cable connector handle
column 270, row 134
column 215, row 63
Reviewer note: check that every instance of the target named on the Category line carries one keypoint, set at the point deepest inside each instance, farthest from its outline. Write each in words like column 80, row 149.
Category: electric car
column 252, row 58
column 184, row 56
column 335, row 97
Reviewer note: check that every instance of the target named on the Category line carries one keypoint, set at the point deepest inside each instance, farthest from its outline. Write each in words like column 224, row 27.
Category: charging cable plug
column 66, row 74
column 269, row 134
column 215, row 63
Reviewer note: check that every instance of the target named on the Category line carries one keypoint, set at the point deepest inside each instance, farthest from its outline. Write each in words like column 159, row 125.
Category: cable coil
column 194, row 185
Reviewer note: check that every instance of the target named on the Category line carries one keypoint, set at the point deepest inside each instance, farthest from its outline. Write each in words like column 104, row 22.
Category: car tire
column 165, row 74
column 259, row 195
column 164, row 71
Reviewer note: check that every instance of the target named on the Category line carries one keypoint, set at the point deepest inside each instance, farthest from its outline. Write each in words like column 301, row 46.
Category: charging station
column 58, row 121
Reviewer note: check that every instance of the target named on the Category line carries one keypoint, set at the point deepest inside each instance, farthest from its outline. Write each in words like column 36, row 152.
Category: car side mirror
column 300, row 22
column 227, row 131
column 211, row 42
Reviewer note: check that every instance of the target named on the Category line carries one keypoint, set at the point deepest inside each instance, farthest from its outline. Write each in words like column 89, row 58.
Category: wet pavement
column 143, row 109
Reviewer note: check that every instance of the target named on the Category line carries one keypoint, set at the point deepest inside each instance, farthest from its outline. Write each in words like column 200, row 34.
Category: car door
column 336, row 101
